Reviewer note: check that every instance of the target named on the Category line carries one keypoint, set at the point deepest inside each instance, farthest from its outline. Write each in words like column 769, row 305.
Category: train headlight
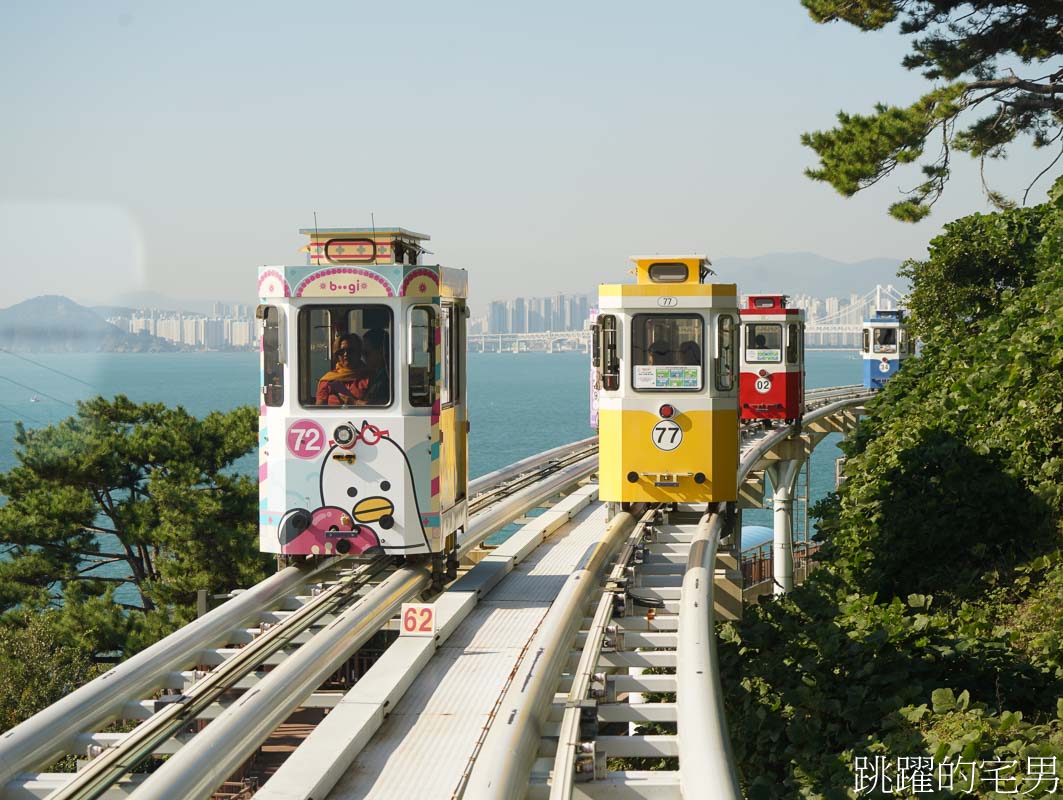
column 344, row 436
column 667, row 411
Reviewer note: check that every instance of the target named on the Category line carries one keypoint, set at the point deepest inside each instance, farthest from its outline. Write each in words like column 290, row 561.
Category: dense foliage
column 958, row 45
column 112, row 520
column 933, row 628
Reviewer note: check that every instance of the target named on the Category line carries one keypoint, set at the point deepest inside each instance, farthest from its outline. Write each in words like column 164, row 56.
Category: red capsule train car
column 772, row 379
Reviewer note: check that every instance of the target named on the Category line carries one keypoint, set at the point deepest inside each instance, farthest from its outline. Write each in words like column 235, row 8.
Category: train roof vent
column 363, row 245
column 767, row 301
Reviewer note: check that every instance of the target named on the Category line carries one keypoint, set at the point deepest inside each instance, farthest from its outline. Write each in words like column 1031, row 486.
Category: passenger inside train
column 885, row 340
column 345, row 355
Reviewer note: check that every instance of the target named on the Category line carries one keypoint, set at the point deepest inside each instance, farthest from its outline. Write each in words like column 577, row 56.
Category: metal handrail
column 492, row 479
column 706, row 761
column 510, row 508
column 848, row 397
column 566, row 761
column 51, row 733
column 502, row 767
column 215, row 753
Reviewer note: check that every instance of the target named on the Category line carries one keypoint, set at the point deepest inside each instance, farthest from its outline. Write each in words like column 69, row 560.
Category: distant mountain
column 146, row 298
column 56, row 324
column 807, row 273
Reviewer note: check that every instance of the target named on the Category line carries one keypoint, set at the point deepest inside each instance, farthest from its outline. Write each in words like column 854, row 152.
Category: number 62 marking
column 418, row 619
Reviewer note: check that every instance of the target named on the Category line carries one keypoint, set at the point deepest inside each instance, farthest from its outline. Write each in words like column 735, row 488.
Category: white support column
column 783, row 476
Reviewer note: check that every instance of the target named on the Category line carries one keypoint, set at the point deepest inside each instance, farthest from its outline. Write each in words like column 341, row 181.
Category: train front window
column 345, row 355
column 763, row 343
column 422, row 355
column 885, row 340
column 667, row 352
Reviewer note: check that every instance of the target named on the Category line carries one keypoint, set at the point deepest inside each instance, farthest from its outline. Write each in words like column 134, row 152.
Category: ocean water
column 520, row 403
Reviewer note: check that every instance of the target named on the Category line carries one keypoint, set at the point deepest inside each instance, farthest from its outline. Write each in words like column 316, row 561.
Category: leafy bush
column 932, row 629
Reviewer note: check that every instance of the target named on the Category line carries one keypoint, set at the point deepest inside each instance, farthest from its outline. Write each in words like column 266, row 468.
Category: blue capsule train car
column 886, row 344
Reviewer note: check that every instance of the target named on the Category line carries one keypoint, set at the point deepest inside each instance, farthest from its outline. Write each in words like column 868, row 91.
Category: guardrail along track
column 244, row 644
column 609, row 693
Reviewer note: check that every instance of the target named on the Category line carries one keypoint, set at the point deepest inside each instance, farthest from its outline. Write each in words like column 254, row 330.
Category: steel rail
column 52, row 732
column 544, row 466
column 499, row 476
column 104, row 770
column 510, row 508
column 706, row 760
column 502, row 768
column 568, row 741
column 215, row 753
column 755, row 453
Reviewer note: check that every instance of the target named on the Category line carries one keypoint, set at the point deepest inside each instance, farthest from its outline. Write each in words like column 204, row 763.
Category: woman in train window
column 340, row 385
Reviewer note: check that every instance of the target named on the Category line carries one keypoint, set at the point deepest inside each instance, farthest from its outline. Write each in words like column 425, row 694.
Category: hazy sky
column 174, row 147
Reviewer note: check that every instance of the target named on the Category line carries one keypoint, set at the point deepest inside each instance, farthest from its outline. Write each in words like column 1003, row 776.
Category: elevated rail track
column 555, row 653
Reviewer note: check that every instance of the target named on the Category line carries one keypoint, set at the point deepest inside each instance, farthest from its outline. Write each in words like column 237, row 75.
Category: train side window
column 458, row 349
column 667, row 352
column 763, row 343
column 867, row 341
column 272, row 356
column 904, row 344
column 726, row 354
column 447, row 386
column 422, row 355
column 791, row 343
column 609, row 362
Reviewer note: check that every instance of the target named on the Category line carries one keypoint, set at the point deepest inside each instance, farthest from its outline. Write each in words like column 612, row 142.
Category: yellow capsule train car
column 666, row 358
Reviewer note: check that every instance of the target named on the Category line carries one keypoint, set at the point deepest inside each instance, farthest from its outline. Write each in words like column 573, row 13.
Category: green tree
column 932, row 627
column 958, row 45
column 39, row 665
column 138, row 501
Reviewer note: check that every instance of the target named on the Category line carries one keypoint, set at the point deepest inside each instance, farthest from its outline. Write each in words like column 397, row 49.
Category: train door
column 795, row 364
column 452, row 419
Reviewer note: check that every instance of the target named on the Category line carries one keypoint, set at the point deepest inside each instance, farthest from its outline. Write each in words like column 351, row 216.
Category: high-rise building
column 559, row 313
column 535, row 315
column 497, row 321
column 518, row 316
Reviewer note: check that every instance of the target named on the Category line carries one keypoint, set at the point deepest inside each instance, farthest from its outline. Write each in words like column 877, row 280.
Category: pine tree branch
column 1015, row 82
column 1042, row 172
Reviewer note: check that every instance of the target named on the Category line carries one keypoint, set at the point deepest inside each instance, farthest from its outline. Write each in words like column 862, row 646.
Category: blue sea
column 520, row 403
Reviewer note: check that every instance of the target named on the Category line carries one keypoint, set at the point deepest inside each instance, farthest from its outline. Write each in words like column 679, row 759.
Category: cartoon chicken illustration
column 368, row 499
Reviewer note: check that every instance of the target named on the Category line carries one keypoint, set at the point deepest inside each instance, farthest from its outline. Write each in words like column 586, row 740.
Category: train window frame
column 430, row 369
column 449, row 391
column 307, row 387
column 725, row 366
column 668, row 272
column 867, row 341
column 636, row 337
column 792, row 354
column 272, row 364
column 885, row 348
column 751, row 327
column 610, row 361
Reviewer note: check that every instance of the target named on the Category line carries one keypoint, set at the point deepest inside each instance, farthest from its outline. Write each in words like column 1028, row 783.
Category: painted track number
column 666, row 435
column 418, row 619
